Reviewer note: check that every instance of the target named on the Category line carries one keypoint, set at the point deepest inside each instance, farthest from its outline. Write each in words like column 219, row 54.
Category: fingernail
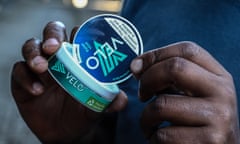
column 137, row 65
column 37, row 88
column 50, row 45
column 39, row 63
column 38, row 60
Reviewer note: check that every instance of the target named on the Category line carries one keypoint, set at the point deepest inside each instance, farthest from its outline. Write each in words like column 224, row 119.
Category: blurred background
column 24, row 19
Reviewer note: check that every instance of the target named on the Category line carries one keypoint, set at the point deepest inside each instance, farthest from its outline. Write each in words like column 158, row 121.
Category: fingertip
column 119, row 103
column 39, row 64
column 55, row 29
column 50, row 46
column 136, row 66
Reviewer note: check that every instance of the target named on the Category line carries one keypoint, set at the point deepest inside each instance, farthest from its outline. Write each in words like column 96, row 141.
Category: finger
column 31, row 52
column 180, row 73
column 39, row 65
column 179, row 110
column 24, row 83
column 186, row 50
column 31, row 48
column 53, row 35
column 119, row 103
column 186, row 135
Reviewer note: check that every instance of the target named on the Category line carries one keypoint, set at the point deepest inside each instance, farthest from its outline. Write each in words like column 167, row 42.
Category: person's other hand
column 202, row 104
column 51, row 113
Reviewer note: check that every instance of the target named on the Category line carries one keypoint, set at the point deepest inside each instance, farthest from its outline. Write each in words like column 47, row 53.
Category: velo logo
column 107, row 56
column 59, row 67
column 105, row 45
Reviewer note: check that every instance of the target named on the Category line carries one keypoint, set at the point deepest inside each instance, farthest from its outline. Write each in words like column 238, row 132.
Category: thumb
column 119, row 103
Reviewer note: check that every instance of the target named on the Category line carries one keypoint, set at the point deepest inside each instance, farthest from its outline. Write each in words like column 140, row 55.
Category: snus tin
column 98, row 60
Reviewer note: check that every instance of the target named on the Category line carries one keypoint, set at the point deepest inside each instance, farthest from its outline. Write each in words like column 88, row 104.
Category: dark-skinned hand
column 203, row 107
column 51, row 113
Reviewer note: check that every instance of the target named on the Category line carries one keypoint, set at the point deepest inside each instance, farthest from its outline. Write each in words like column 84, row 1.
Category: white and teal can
column 98, row 59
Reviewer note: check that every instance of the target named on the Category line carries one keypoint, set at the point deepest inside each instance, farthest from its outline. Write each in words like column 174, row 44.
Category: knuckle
column 224, row 115
column 215, row 138
column 219, row 114
column 226, row 90
column 160, row 104
column 229, row 76
column 228, row 94
column 175, row 66
column 226, row 79
column 161, row 136
column 229, row 87
column 222, row 125
column 55, row 29
column 189, row 49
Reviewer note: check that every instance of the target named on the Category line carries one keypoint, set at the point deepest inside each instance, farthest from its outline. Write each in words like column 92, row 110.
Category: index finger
column 55, row 29
column 186, row 50
column 54, row 34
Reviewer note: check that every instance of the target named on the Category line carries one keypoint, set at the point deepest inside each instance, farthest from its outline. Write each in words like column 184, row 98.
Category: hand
column 203, row 108
column 52, row 114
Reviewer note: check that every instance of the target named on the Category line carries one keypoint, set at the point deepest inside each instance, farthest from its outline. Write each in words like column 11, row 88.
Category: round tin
column 78, row 83
column 99, row 59
column 107, row 45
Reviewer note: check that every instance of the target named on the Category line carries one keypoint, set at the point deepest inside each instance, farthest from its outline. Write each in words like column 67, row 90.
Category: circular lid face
column 104, row 47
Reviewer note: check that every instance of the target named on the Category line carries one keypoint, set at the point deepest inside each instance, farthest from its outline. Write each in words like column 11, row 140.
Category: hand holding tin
column 48, row 110
column 98, row 59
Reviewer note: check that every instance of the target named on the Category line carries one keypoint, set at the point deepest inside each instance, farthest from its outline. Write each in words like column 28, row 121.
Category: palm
column 55, row 114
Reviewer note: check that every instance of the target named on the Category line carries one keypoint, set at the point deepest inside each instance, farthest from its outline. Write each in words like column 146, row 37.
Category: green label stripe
column 75, row 87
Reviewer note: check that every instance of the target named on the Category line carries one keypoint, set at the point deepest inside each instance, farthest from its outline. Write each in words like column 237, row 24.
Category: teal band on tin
column 75, row 87
column 66, row 56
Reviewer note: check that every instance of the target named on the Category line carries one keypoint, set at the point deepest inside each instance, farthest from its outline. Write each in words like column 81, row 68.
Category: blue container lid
column 104, row 47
